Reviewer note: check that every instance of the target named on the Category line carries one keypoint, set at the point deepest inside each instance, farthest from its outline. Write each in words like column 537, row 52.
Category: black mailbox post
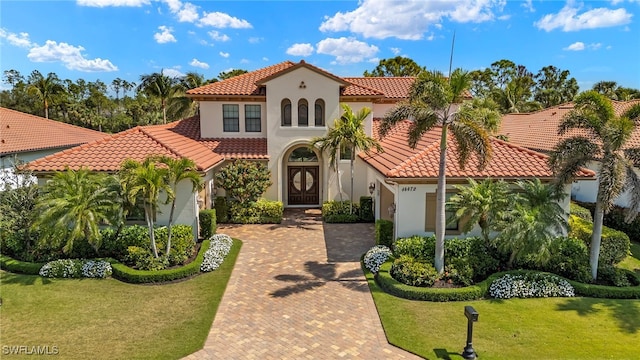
column 472, row 316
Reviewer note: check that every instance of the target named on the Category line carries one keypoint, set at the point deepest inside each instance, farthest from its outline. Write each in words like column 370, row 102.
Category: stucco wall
column 211, row 120
column 587, row 190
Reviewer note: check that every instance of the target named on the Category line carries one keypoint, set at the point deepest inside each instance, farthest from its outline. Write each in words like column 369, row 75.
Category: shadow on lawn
column 625, row 312
column 319, row 275
column 20, row 279
column 446, row 355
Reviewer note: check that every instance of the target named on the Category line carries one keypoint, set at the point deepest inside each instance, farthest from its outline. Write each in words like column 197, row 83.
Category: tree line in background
column 114, row 107
column 158, row 98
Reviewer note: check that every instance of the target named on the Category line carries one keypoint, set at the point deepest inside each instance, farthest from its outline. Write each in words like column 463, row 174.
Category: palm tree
column 161, row 86
column 348, row 133
column 181, row 106
column 603, row 137
column 535, row 220
column 480, row 203
column 144, row 182
column 45, row 88
column 73, row 205
column 177, row 171
column 434, row 102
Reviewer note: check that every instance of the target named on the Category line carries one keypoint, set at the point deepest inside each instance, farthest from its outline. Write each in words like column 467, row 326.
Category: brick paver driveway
column 298, row 292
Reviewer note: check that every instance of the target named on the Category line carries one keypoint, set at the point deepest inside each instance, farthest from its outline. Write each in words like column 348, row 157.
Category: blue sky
column 105, row 39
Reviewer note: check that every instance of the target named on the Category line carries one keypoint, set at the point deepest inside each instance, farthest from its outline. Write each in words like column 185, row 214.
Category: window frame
column 228, row 121
column 285, row 107
column 303, row 104
column 248, row 125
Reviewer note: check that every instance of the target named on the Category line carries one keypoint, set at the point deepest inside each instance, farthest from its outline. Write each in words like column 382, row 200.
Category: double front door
column 303, row 187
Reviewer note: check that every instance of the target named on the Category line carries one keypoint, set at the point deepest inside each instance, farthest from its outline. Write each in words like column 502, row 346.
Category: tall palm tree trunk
column 440, row 202
column 148, row 217
column 173, row 208
column 596, row 238
column 164, row 111
column 351, row 190
column 46, row 109
column 339, row 178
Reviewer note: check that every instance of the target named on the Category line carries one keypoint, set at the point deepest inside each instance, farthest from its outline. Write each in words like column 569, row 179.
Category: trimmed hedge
column 260, row 212
column 474, row 292
column 208, row 223
column 615, row 220
column 581, row 212
column 21, row 267
column 338, row 212
column 366, row 209
column 384, row 232
column 614, row 247
column 222, row 209
column 127, row 274
column 396, row 288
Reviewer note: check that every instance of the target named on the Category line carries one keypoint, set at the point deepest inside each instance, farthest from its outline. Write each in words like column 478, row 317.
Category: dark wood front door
column 303, row 185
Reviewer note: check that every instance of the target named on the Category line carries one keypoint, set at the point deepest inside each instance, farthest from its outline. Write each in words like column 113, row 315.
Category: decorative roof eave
column 464, row 180
column 255, row 98
column 360, row 98
column 9, row 153
column 303, row 64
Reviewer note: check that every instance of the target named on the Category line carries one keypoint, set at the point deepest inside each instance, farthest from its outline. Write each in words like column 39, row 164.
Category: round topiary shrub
column 407, row 270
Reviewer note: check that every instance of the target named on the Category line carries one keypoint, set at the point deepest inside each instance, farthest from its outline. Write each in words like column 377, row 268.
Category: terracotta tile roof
column 305, row 65
column 400, row 161
column 245, row 84
column 391, row 87
column 539, row 130
column 177, row 139
column 20, row 132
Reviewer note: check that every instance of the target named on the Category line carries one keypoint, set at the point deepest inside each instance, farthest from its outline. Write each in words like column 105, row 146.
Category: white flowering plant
column 219, row 247
column 376, row 256
column 74, row 268
column 530, row 285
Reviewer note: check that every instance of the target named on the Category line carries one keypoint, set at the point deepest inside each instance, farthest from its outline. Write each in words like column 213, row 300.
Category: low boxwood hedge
column 480, row 290
column 21, row 267
column 124, row 273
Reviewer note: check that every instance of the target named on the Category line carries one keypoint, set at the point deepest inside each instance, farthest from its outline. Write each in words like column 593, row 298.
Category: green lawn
column 551, row 328
column 109, row 319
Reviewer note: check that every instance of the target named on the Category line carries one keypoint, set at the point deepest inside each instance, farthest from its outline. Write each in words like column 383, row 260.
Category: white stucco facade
column 587, row 191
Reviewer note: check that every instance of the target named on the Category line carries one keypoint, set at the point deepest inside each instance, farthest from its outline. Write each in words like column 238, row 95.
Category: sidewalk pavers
column 297, row 292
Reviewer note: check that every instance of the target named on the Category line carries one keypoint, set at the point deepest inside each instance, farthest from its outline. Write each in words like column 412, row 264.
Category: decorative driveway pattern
column 298, row 292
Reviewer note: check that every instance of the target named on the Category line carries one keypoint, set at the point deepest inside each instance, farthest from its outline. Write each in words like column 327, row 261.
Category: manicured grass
column 109, row 319
column 632, row 262
column 551, row 328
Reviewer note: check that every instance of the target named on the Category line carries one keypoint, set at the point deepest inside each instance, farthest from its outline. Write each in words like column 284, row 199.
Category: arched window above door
column 303, row 113
column 303, row 154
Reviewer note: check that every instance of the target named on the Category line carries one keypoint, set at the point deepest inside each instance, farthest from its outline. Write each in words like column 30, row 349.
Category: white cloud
column 173, row 72
column 174, row 5
column 300, row 50
column 189, row 13
column 568, row 18
column 222, row 20
column 224, row 54
column 395, row 50
column 265, row 58
column 410, row 19
column 217, row 36
column 528, row 4
column 105, row 3
column 20, row 40
column 576, row 46
column 196, row 63
column 244, row 61
column 346, row 50
column 579, row 46
column 255, row 40
column 165, row 35
column 70, row 55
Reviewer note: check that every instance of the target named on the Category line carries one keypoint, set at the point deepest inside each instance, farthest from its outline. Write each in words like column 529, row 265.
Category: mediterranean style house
column 519, row 129
column 271, row 115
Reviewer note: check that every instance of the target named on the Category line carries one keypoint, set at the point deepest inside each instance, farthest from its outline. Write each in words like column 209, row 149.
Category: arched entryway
column 302, row 173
